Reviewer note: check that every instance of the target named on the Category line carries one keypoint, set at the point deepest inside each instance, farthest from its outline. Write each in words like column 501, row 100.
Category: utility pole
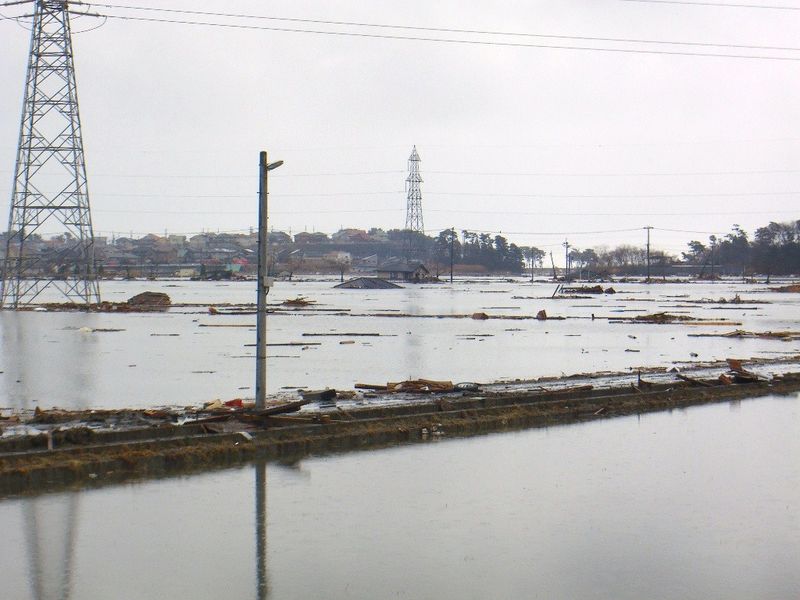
column 566, row 260
column 713, row 243
column 648, row 228
column 452, row 242
column 263, row 281
column 531, row 251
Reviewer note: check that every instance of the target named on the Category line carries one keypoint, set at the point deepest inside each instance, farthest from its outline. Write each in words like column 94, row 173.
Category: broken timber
column 89, row 457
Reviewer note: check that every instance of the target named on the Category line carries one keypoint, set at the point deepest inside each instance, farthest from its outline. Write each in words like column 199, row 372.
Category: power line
column 715, row 4
column 617, row 214
column 450, row 41
column 531, row 195
column 688, row 231
column 469, row 173
column 618, row 174
column 250, row 212
column 445, row 29
column 456, row 211
column 543, row 232
column 253, row 195
column 250, row 176
column 613, row 196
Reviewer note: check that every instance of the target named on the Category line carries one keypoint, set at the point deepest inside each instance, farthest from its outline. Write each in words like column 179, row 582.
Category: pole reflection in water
column 62, row 347
column 50, row 532
column 262, row 583
column 412, row 341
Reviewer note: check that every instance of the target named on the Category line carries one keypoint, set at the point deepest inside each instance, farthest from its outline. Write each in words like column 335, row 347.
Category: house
column 350, row 235
column 279, row 237
column 310, row 238
column 403, row 270
column 339, row 257
column 367, row 283
column 367, row 262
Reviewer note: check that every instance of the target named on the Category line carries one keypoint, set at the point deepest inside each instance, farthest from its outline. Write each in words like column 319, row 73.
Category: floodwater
column 702, row 503
column 184, row 357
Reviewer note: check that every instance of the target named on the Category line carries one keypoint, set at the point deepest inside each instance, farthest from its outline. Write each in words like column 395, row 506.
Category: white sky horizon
column 536, row 144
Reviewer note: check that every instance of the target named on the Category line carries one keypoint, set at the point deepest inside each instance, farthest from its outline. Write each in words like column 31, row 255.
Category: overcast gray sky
column 541, row 144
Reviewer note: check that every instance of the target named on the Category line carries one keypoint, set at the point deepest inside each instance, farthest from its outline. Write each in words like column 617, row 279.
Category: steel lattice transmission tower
column 50, row 176
column 414, row 223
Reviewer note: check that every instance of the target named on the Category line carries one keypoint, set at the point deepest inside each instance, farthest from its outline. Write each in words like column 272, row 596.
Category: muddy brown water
column 696, row 503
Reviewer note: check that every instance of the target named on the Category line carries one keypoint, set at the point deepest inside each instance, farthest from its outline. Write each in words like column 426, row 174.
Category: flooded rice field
column 698, row 503
column 187, row 355
column 702, row 503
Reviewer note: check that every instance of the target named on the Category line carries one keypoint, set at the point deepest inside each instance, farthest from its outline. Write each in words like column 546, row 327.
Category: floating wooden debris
column 419, row 386
column 740, row 374
column 763, row 335
column 585, row 289
column 347, row 335
column 424, row 386
column 788, row 289
column 371, row 386
column 693, row 381
column 664, row 318
column 299, row 301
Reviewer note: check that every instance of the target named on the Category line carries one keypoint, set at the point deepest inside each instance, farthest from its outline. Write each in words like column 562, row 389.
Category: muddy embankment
column 84, row 457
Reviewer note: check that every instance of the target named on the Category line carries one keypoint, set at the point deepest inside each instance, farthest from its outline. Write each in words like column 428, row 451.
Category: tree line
column 773, row 250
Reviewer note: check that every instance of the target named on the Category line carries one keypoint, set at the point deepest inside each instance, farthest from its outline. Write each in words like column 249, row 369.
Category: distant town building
column 403, row 270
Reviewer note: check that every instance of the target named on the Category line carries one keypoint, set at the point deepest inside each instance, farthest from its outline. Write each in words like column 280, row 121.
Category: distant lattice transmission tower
column 50, row 193
column 415, row 227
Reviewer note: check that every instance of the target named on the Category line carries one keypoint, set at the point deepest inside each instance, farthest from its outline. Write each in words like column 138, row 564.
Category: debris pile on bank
column 144, row 302
column 147, row 301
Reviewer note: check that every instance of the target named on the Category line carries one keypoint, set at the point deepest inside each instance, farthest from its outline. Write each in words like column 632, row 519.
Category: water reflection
column 262, row 581
column 42, row 352
column 624, row 508
column 412, row 341
column 50, row 531
column 13, row 335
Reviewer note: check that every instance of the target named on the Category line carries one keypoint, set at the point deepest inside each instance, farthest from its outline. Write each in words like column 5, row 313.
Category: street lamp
column 263, row 281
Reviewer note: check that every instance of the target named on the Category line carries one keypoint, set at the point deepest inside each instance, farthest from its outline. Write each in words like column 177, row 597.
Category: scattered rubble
column 787, row 289
column 73, row 447
column 663, row 318
column 585, row 289
column 417, row 386
column 785, row 336
column 299, row 301
column 144, row 302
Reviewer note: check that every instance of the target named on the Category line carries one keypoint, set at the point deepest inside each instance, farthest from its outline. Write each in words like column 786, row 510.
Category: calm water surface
column 701, row 503
column 54, row 359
